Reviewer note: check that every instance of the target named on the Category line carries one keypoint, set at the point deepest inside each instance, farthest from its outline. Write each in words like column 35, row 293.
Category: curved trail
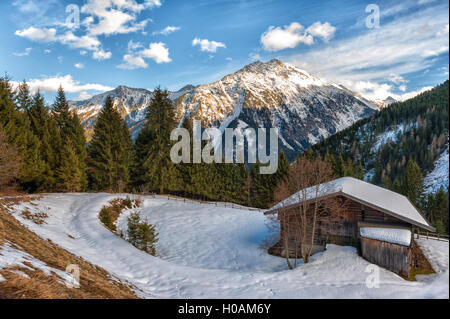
column 212, row 252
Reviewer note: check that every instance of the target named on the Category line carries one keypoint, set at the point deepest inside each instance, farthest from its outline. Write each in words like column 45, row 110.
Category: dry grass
column 37, row 218
column 95, row 282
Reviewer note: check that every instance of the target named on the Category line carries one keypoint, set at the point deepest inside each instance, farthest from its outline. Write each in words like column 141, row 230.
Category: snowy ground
column 213, row 252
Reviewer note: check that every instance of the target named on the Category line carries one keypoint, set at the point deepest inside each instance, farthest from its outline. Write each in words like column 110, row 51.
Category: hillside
column 305, row 108
column 416, row 129
column 31, row 267
column 209, row 251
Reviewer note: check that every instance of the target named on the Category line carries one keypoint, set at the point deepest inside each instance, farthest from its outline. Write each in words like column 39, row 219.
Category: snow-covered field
column 206, row 251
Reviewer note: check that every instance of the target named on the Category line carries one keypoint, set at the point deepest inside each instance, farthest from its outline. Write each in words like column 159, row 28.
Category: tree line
column 44, row 149
column 51, row 153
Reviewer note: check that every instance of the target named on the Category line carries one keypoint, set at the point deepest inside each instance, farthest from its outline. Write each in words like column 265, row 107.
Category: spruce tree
column 412, row 182
column 442, row 211
column 68, row 175
column 16, row 126
column 109, row 151
column 261, row 187
column 61, row 113
column 154, row 167
column 71, row 130
column 23, row 97
column 44, row 128
column 186, row 170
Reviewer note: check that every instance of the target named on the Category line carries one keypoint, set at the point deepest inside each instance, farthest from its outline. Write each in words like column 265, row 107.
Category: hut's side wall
column 396, row 258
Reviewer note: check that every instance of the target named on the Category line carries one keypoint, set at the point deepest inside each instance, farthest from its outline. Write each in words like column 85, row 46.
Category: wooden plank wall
column 343, row 229
column 394, row 257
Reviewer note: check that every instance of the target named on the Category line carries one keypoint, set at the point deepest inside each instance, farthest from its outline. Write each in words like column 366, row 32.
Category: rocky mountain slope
column 305, row 108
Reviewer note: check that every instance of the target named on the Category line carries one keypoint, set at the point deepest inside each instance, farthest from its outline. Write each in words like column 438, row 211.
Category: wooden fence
column 429, row 235
column 194, row 201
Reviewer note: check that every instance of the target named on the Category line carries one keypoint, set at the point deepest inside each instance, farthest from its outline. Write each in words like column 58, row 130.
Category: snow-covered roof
column 368, row 194
column 390, row 235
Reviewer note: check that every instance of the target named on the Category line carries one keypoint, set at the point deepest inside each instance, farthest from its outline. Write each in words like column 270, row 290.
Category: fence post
column 438, row 236
column 427, row 234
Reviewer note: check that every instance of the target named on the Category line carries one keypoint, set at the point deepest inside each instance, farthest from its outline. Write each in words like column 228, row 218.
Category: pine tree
column 23, row 97
column 153, row 164
column 61, row 113
column 9, row 162
column 71, row 130
column 68, row 175
column 186, row 170
column 262, row 188
column 283, row 168
column 360, row 172
column 442, row 211
column 16, row 127
column 110, row 151
column 44, row 128
column 412, row 182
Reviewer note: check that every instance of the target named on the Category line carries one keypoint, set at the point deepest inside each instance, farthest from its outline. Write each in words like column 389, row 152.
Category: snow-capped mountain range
column 305, row 108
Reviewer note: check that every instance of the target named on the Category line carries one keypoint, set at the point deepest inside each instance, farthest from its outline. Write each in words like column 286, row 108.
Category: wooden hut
column 379, row 222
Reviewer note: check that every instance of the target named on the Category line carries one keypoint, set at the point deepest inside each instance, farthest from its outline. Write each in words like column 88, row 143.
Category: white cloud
column 400, row 47
column 116, row 16
column 37, row 34
column 276, row 38
column 397, row 79
column 51, row 84
column 135, row 60
column 24, row 53
column 167, row 30
column 102, row 17
column 207, row 45
column 158, row 52
column 438, row 51
column 229, row 59
column 378, row 92
column 27, row 6
column 101, row 55
column 412, row 94
column 443, row 31
column 425, row 1
column 290, row 36
column 324, row 31
column 254, row 56
column 47, row 51
column 84, row 96
column 60, row 59
column 132, row 62
column 85, row 42
column 133, row 46
column 79, row 65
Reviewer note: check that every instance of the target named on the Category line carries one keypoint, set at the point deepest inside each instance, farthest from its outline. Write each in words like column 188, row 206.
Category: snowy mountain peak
column 305, row 108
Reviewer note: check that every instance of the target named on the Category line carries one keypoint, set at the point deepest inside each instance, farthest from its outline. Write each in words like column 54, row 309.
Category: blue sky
column 173, row 43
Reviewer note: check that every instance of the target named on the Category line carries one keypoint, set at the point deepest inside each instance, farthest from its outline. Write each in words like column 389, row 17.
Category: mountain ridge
column 305, row 108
